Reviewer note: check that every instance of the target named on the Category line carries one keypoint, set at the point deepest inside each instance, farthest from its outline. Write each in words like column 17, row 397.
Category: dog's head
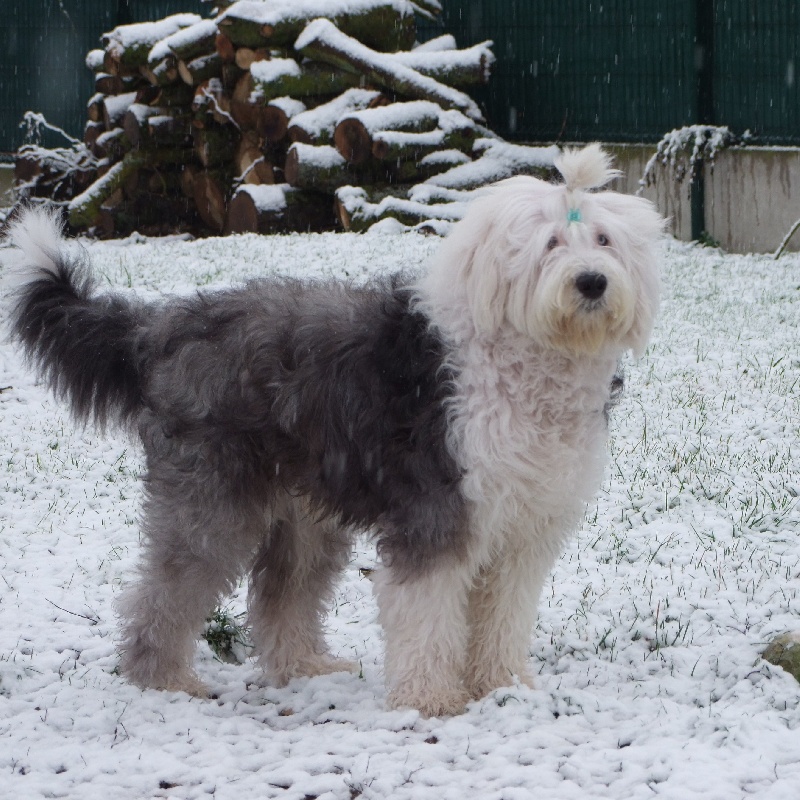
column 567, row 266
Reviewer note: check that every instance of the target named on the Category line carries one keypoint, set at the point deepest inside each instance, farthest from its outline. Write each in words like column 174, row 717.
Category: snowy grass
column 647, row 647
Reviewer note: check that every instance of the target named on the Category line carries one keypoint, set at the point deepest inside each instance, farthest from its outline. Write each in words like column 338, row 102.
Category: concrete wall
column 6, row 181
column 752, row 195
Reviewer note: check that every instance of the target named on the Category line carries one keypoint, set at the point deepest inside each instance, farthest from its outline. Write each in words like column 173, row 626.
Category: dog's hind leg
column 291, row 589
column 196, row 541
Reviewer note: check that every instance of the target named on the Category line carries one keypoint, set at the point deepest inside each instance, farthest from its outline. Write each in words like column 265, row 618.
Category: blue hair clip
column 574, row 215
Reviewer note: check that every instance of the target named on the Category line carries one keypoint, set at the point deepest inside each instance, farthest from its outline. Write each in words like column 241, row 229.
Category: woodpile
column 269, row 119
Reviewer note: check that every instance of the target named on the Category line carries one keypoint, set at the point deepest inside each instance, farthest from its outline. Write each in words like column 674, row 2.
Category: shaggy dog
column 460, row 418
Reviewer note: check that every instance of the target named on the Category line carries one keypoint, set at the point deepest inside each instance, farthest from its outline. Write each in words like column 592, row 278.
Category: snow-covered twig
column 685, row 150
column 33, row 122
column 779, row 252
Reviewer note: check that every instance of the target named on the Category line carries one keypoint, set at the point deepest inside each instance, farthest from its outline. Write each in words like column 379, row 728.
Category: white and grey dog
column 460, row 417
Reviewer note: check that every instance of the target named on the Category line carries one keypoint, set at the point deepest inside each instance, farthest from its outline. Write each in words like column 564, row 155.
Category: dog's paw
column 188, row 683
column 430, row 703
column 327, row 665
column 309, row 667
column 481, row 683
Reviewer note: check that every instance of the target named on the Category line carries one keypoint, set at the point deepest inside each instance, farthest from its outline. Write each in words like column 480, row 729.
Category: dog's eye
column 552, row 243
column 603, row 240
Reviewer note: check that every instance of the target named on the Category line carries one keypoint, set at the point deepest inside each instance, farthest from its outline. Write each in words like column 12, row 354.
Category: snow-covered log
column 316, row 126
column 357, row 210
column 186, row 44
column 386, row 25
column 94, row 107
column 322, row 41
column 200, row 69
column 226, row 97
column 278, row 209
column 85, row 208
column 282, row 77
column 316, row 167
column 468, row 67
column 128, row 46
column 401, row 145
column 111, row 145
column 353, row 135
column 498, row 160
column 115, row 107
column 164, row 73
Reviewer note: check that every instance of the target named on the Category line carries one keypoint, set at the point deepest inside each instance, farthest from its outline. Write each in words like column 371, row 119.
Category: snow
column 117, row 105
column 650, row 628
column 289, row 105
column 452, row 157
column 276, row 11
column 444, row 42
column 355, row 201
column 432, row 138
column 273, row 69
column 323, row 156
column 94, row 60
column 267, row 198
column 441, row 60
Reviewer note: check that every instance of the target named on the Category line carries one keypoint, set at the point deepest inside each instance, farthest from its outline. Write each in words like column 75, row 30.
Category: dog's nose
column 591, row 284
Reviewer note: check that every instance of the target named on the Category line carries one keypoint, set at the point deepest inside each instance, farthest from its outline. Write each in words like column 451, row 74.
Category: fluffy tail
column 85, row 346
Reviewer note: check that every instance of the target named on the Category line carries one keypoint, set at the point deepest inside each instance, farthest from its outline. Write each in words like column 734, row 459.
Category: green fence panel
column 756, row 59
column 147, row 10
column 43, row 45
column 575, row 70
column 42, row 61
column 631, row 70
column 567, row 70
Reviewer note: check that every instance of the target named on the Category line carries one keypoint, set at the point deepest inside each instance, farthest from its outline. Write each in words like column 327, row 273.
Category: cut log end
column 353, row 141
column 210, row 201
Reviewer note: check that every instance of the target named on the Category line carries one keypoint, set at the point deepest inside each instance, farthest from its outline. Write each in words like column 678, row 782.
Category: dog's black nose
column 591, row 284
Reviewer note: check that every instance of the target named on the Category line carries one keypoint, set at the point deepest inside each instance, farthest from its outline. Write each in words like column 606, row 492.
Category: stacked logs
column 256, row 120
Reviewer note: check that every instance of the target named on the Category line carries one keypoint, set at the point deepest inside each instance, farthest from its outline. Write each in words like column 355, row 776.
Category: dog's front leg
column 424, row 620
column 502, row 610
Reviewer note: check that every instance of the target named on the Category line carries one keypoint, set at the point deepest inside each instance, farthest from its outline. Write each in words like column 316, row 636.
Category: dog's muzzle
column 591, row 285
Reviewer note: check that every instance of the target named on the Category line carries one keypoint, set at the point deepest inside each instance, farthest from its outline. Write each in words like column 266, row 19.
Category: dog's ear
column 487, row 288
column 639, row 227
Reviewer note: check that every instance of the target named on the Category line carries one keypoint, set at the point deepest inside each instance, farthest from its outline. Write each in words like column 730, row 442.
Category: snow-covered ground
column 647, row 648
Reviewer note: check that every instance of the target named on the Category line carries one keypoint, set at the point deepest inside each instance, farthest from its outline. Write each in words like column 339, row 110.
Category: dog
column 459, row 416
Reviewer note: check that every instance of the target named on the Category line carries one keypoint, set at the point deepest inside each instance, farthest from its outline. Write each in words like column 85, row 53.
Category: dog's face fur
column 571, row 269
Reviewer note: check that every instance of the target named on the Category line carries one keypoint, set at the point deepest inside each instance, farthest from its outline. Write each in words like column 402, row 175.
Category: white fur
column 586, row 168
column 36, row 240
column 535, row 361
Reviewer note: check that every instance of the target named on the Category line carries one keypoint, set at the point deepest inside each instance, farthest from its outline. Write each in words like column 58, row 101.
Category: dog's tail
column 86, row 346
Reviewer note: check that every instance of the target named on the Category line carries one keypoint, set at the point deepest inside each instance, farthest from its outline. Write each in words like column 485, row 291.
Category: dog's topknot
column 586, row 168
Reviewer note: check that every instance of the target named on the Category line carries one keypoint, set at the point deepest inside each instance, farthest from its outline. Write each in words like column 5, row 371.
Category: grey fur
column 275, row 418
